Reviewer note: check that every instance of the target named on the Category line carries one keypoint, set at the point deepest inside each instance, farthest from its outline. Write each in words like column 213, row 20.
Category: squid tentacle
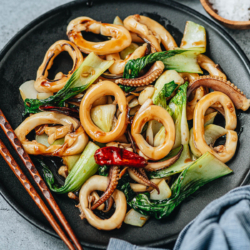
column 140, row 178
column 218, row 84
column 109, row 204
column 98, row 182
column 113, row 181
column 154, row 72
column 155, row 166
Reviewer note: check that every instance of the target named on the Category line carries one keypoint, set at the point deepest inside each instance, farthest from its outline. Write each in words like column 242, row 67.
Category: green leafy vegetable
column 103, row 170
column 207, row 168
column 133, row 67
column 182, row 163
column 75, row 85
column 126, row 88
column 164, row 93
column 178, row 105
column 169, row 88
column 84, row 168
column 186, row 62
column 70, row 161
column 180, row 60
column 168, row 76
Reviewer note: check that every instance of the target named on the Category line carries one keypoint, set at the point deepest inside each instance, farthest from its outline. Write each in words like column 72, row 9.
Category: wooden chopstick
column 33, row 194
column 4, row 124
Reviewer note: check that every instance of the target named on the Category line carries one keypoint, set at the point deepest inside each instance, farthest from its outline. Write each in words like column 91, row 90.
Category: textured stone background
column 15, row 232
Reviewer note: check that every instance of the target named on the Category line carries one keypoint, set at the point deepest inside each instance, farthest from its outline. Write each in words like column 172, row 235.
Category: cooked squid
column 74, row 143
column 94, row 93
column 121, row 38
column 223, row 152
column 42, row 83
column 127, row 140
column 100, row 183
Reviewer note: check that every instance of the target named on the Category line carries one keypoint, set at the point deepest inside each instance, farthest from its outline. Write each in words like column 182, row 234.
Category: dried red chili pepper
column 120, row 157
column 63, row 110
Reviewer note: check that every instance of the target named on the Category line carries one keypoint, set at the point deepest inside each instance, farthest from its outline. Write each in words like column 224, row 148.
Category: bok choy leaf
column 92, row 67
column 127, row 88
column 179, row 60
column 185, row 62
column 178, row 105
column 134, row 66
column 180, row 165
column 161, row 98
column 207, row 168
column 84, row 168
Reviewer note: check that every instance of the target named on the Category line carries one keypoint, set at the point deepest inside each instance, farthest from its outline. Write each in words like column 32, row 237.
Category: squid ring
column 159, row 114
column 97, row 182
column 42, row 83
column 226, row 152
column 198, row 94
column 95, row 92
column 151, row 31
column 121, row 37
column 118, row 66
column 75, row 142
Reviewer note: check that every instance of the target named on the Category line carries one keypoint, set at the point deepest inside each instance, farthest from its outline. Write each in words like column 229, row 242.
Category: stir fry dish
column 130, row 131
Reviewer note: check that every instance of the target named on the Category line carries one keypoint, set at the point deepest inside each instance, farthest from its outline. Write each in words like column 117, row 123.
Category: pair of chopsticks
column 4, row 124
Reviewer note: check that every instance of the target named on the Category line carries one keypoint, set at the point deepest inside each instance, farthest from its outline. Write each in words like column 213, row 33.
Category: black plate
column 19, row 62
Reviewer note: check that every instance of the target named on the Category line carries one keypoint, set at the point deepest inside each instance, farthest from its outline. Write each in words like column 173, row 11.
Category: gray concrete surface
column 15, row 232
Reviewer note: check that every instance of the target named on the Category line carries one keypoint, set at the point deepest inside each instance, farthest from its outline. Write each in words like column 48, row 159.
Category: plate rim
column 27, row 28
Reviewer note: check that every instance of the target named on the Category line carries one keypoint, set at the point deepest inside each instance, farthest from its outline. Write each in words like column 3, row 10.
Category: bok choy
column 84, row 168
column 178, row 105
column 164, row 87
column 161, row 98
column 181, row 164
column 168, row 77
column 179, row 60
column 207, row 168
column 91, row 68
column 135, row 219
column 194, row 37
column 211, row 133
